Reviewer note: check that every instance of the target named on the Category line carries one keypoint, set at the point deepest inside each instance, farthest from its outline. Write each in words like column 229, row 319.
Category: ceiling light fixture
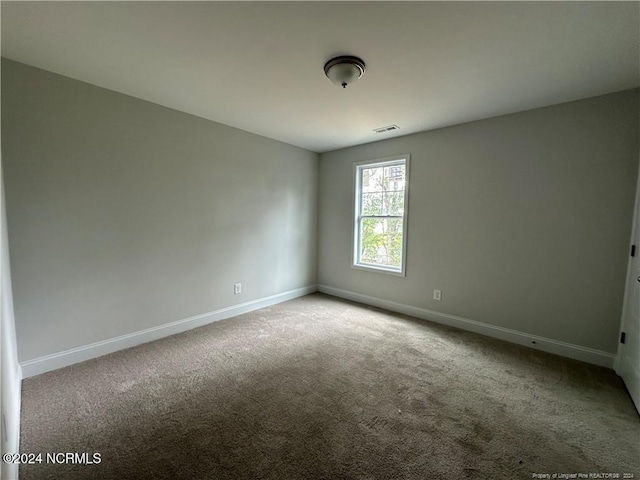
column 344, row 70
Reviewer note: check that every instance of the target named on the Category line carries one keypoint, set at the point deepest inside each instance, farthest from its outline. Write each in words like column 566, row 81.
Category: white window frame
column 357, row 196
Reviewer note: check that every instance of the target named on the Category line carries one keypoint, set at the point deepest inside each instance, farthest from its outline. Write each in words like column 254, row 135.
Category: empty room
column 320, row 240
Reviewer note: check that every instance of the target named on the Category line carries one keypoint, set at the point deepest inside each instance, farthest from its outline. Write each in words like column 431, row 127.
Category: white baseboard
column 80, row 354
column 549, row 345
column 97, row 349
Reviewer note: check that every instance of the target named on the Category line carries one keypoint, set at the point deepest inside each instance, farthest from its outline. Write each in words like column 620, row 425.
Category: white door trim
column 631, row 373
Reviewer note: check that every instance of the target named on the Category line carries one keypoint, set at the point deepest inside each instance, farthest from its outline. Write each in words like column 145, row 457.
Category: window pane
column 381, row 241
column 395, row 173
column 393, row 203
column 372, row 179
column 372, row 203
column 383, row 190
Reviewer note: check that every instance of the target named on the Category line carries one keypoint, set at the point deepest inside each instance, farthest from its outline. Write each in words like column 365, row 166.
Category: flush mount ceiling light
column 344, row 70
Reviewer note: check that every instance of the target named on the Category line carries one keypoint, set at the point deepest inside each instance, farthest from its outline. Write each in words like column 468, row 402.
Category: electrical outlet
column 237, row 288
column 437, row 294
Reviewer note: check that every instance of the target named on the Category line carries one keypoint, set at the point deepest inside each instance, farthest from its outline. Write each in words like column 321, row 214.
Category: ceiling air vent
column 388, row 128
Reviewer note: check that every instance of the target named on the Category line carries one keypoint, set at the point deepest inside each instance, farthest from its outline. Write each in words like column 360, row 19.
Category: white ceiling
column 258, row 65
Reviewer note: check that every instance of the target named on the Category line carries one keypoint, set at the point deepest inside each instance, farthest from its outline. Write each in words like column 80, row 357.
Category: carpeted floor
column 322, row 388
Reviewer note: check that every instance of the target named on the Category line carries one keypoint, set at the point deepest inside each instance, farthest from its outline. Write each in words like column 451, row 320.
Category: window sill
column 373, row 268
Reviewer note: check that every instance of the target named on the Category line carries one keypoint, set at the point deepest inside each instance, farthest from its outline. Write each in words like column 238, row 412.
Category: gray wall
column 125, row 215
column 523, row 221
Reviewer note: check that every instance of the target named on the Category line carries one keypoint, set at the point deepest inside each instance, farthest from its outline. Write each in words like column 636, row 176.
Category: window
column 380, row 230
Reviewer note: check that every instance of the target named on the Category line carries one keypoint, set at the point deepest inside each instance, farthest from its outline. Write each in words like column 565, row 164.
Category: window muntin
column 380, row 231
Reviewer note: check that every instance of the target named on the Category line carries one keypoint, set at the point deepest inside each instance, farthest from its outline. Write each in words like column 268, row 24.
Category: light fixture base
column 344, row 70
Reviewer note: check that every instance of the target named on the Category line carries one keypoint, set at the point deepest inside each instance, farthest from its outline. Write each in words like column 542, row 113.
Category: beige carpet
column 322, row 388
